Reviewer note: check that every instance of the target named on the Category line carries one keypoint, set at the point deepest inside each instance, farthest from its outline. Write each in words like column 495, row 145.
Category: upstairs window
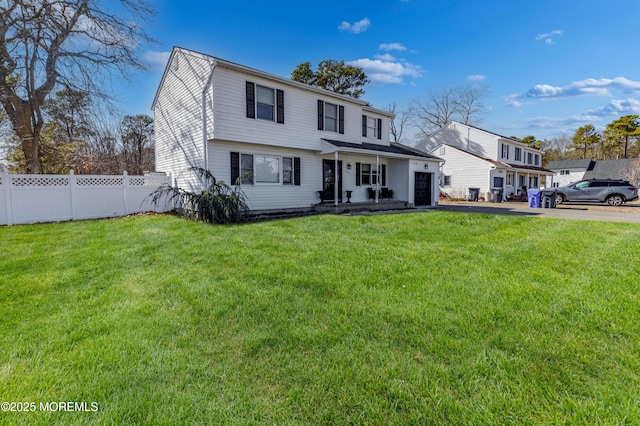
column 371, row 127
column 264, row 103
column 505, row 151
column 330, row 117
column 518, row 154
column 536, row 160
column 529, row 158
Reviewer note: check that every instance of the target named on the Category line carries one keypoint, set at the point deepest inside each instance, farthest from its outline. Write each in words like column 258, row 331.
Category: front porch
column 363, row 206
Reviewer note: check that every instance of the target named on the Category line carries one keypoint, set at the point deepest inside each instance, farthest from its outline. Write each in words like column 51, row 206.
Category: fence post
column 125, row 184
column 72, row 191
column 6, row 187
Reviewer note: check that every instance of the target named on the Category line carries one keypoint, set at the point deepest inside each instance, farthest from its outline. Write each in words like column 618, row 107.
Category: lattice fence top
column 147, row 181
column 100, row 181
column 40, row 181
column 84, row 181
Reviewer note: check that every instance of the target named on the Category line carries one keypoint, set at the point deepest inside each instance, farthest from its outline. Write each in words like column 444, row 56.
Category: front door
column 329, row 178
column 422, row 192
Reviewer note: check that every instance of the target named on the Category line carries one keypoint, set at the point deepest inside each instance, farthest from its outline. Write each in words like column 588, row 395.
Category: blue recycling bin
column 534, row 198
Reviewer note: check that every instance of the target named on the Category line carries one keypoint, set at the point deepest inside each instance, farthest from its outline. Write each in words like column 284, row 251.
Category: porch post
column 377, row 178
column 335, row 179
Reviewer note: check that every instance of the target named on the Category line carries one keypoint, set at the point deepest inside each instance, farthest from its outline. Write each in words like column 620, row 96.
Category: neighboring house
column 477, row 158
column 290, row 144
column 569, row 171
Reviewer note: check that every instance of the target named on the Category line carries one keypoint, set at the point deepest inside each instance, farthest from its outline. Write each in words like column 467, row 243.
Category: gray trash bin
column 496, row 195
column 473, row 194
column 548, row 198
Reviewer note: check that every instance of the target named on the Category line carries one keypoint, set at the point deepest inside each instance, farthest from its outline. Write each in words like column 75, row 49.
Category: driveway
column 625, row 213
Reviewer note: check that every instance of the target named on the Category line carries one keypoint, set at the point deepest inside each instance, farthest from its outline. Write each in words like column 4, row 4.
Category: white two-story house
column 291, row 145
column 477, row 158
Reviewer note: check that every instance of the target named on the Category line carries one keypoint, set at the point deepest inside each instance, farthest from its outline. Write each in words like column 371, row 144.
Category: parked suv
column 610, row 191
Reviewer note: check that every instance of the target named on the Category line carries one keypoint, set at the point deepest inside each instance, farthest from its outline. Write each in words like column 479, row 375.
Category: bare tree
column 399, row 121
column 72, row 44
column 440, row 107
column 632, row 172
column 137, row 139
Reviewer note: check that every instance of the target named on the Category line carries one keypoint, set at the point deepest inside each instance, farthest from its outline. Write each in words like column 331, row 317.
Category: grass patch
column 421, row 318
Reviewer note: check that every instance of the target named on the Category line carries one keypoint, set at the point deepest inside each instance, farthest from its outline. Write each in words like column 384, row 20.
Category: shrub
column 217, row 203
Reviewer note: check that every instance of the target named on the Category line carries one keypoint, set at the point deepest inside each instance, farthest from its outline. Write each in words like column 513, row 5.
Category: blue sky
column 551, row 65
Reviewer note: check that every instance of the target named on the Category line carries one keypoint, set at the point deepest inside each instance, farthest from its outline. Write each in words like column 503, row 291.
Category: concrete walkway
column 625, row 213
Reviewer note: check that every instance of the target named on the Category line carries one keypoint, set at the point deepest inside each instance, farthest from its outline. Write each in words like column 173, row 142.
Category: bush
column 218, row 203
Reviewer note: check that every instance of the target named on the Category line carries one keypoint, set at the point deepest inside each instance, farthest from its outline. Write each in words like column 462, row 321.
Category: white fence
column 54, row 198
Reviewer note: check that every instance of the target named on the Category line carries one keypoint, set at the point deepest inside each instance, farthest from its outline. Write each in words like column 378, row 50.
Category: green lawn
column 422, row 318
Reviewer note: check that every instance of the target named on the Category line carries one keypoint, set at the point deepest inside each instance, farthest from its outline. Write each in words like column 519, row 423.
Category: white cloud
column 387, row 71
column 386, row 57
column 587, row 87
column 548, row 37
column 476, row 77
column 156, row 61
column 617, row 107
column 392, row 46
column 357, row 27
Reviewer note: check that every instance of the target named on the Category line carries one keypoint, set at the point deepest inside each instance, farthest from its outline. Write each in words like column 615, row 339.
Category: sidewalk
column 626, row 213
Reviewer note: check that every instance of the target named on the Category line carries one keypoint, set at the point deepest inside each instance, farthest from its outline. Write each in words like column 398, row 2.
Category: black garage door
column 423, row 189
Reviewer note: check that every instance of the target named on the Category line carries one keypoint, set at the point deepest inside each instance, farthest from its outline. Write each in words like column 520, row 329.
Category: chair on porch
column 372, row 193
column 386, row 193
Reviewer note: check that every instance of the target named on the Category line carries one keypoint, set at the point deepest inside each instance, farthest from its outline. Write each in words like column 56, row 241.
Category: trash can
column 473, row 194
column 487, row 196
column 496, row 195
column 548, row 198
column 534, row 198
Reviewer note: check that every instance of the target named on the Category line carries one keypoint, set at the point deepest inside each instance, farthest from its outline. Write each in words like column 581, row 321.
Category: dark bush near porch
column 218, row 203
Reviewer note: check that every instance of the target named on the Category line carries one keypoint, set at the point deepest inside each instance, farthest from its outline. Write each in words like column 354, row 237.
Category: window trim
column 249, row 177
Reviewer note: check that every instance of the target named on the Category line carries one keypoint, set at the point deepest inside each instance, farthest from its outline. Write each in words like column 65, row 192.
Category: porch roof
column 393, row 150
column 540, row 170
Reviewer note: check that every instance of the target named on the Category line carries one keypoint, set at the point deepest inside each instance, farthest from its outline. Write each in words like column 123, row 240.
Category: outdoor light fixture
column 349, row 166
column 426, row 166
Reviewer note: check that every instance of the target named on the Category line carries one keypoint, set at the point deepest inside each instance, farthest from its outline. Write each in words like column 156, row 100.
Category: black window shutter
column 296, row 171
column 341, row 118
column 364, row 125
column 280, row 106
column 379, row 128
column 357, row 174
column 384, row 175
column 235, row 167
column 320, row 115
column 251, row 100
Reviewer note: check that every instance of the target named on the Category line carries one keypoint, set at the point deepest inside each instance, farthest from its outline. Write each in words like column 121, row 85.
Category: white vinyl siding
column 300, row 130
column 270, row 196
column 178, row 118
